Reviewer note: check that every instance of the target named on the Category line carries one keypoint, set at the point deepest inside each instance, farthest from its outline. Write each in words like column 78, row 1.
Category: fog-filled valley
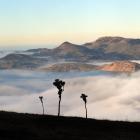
column 109, row 78
column 110, row 96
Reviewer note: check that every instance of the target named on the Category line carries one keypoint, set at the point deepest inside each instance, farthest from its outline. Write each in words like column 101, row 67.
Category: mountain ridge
column 104, row 48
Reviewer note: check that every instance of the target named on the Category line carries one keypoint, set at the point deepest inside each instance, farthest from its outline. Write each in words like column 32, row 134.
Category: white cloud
column 116, row 98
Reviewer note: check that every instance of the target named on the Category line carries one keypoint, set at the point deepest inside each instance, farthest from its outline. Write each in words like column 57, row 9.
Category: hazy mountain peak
column 66, row 44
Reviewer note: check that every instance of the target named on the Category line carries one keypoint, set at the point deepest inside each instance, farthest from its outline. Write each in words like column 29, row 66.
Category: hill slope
column 120, row 66
column 66, row 67
column 37, row 127
column 117, row 45
column 20, row 61
column 66, row 51
column 116, row 66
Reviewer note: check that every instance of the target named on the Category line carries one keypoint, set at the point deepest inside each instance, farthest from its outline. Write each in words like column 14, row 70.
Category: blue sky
column 42, row 22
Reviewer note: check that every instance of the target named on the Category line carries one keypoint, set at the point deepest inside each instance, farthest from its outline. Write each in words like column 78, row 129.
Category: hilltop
column 38, row 127
column 120, row 66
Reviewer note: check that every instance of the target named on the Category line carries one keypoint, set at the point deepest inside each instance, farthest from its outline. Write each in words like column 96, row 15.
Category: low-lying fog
column 110, row 96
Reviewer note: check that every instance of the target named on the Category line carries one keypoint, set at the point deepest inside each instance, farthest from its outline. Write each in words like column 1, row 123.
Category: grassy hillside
column 14, row 126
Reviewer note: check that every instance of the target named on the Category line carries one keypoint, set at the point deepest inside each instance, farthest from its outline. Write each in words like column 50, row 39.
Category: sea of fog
column 110, row 96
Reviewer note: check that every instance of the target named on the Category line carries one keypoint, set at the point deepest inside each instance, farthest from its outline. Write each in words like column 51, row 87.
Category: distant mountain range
column 105, row 48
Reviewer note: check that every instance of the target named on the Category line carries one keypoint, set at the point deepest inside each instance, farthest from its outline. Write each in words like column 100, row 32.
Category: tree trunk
column 43, row 108
column 59, row 106
column 86, row 110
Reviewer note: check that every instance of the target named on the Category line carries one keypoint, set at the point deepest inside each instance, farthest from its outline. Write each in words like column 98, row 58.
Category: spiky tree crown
column 84, row 97
column 41, row 98
column 59, row 84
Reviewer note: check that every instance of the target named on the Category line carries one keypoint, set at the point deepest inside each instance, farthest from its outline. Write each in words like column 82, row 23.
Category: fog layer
column 109, row 96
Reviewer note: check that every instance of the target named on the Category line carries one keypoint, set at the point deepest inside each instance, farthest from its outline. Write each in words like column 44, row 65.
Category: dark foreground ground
column 14, row 126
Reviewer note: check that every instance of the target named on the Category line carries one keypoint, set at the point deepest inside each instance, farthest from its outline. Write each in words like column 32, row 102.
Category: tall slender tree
column 59, row 84
column 84, row 97
column 41, row 100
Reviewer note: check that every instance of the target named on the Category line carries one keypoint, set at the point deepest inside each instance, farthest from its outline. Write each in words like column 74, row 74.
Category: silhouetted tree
column 84, row 97
column 60, row 86
column 41, row 99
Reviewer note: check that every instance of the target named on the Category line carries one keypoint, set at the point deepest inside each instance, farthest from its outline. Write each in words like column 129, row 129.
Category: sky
column 51, row 22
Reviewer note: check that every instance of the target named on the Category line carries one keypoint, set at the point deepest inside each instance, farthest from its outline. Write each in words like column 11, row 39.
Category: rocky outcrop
column 120, row 66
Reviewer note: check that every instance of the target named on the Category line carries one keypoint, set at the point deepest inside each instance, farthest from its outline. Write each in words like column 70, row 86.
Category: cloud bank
column 109, row 97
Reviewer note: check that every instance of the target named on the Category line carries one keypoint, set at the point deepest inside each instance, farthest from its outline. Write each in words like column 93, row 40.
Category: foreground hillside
column 14, row 126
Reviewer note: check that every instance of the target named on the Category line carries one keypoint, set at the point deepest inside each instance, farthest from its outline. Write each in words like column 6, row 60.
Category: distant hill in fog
column 104, row 49
column 20, row 61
